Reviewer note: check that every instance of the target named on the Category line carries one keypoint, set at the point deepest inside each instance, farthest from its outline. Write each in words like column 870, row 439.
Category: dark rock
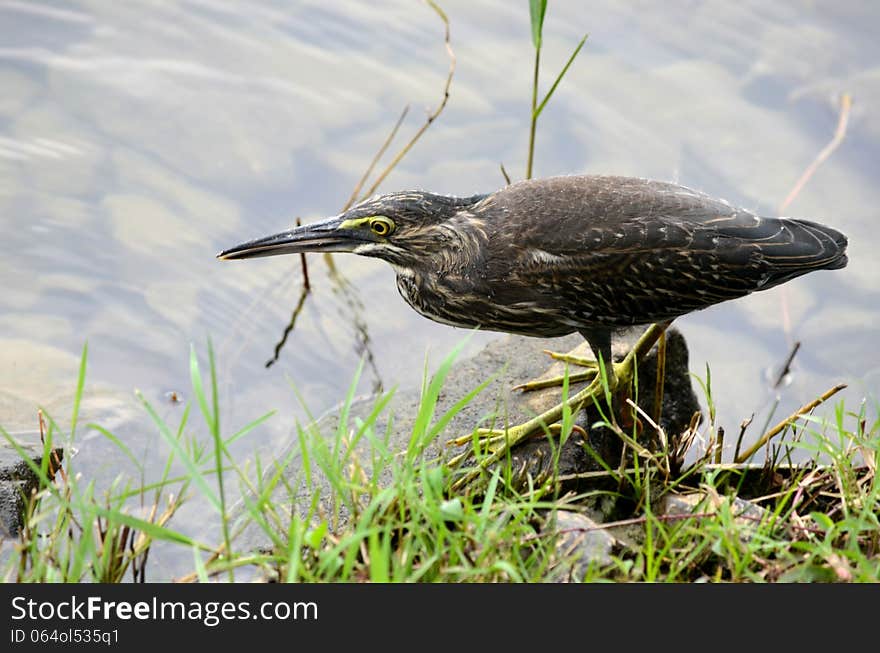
column 17, row 482
column 508, row 361
column 540, row 456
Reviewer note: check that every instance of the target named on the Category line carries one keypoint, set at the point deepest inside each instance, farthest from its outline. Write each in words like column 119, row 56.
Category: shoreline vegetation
column 380, row 514
column 366, row 512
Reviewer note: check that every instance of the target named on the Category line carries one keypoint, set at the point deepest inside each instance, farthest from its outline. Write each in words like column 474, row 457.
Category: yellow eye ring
column 381, row 226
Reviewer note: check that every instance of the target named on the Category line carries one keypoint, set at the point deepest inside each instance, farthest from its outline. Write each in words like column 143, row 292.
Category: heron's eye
column 381, row 226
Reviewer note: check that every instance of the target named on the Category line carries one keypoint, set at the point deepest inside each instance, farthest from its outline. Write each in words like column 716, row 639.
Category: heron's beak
column 324, row 236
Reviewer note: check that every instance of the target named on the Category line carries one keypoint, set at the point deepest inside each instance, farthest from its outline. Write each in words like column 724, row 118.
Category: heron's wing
column 657, row 267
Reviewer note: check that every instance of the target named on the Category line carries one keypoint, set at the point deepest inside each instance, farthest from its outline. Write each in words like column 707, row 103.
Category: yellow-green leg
column 501, row 441
column 592, row 373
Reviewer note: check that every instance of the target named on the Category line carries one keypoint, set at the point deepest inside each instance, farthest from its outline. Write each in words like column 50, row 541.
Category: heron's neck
column 465, row 244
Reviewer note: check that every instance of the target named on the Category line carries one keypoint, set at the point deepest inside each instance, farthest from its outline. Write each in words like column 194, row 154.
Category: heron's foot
column 591, row 373
column 555, row 381
column 580, row 361
column 620, row 370
column 497, row 443
column 495, row 440
column 602, row 388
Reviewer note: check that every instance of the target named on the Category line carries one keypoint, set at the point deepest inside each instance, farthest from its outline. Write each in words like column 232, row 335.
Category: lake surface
column 138, row 139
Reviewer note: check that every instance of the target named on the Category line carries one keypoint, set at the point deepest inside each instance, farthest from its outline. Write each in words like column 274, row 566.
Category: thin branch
column 839, row 133
column 504, row 173
column 742, row 432
column 431, row 116
column 305, row 268
column 637, row 521
column 788, row 421
column 787, row 367
column 661, row 378
column 334, row 273
column 376, row 157
column 719, row 444
column 296, row 311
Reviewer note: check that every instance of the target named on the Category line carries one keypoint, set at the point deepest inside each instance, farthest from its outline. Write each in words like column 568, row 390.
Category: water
column 138, row 139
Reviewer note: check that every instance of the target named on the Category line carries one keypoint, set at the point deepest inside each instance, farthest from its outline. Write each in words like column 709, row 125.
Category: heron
column 592, row 254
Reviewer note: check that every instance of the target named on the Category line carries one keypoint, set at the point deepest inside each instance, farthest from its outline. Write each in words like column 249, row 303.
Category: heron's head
column 402, row 228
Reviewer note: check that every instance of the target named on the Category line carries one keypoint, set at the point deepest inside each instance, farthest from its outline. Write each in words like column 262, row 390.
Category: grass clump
column 357, row 510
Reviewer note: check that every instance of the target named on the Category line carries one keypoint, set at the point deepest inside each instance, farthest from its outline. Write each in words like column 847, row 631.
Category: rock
column 17, row 481
column 508, row 361
column 535, row 457
column 746, row 514
column 581, row 544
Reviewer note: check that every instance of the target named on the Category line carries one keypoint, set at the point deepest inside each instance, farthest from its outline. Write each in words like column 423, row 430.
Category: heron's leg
column 599, row 341
column 500, row 441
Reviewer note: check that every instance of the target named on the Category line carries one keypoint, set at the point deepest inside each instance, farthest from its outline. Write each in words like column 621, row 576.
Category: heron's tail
column 803, row 246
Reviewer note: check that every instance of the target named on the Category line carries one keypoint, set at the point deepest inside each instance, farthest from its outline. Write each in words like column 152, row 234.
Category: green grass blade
column 490, row 496
column 560, row 76
column 248, row 428
column 458, row 406
column 215, row 400
column 194, row 473
column 42, row 474
column 537, row 11
column 379, row 557
column 342, row 426
column 219, row 450
column 295, row 532
column 508, row 569
column 149, row 528
column 119, row 444
column 199, row 565
column 370, row 420
column 80, row 384
column 421, row 431
column 198, row 388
